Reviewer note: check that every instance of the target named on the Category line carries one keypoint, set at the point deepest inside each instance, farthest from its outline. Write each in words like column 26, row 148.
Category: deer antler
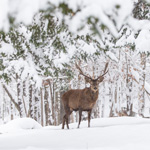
column 81, row 72
column 106, row 66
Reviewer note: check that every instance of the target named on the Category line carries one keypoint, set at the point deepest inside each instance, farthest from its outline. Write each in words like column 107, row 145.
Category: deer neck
column 94, row 95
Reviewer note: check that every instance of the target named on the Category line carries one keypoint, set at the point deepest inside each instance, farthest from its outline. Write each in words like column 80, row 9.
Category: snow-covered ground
column 105, row 134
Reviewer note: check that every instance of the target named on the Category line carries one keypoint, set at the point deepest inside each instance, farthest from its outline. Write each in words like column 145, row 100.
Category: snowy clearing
column 105, row 134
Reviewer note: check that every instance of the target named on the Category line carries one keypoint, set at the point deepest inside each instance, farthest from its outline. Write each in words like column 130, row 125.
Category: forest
column 40, row 45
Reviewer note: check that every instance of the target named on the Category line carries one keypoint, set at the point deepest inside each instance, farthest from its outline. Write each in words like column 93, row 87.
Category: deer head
column 94, row 83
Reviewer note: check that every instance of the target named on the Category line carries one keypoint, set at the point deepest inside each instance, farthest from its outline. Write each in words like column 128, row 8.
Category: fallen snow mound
column 20, row 123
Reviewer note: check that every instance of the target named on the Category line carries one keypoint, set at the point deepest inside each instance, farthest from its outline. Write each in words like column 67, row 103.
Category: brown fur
column 82, row 100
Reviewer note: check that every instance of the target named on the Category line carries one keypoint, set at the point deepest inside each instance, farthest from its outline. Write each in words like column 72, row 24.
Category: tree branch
column 11, row 98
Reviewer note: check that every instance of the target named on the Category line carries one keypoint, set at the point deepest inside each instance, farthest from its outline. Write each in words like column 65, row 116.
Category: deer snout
column 95, row 88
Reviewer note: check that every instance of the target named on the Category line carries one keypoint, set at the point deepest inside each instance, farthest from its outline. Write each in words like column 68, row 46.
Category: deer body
column 81, row 99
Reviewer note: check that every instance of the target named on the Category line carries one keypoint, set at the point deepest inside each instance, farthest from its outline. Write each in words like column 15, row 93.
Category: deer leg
column 64, row 120
column 67, row 118
column 89, row 117
column 67, row 122
column 80, row 115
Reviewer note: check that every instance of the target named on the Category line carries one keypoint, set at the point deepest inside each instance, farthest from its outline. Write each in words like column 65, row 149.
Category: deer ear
column 100, row 79
column 88, row 80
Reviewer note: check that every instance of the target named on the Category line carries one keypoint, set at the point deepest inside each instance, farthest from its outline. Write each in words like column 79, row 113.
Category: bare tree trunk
column 20, row 103
column 11, row 110
column 24, row 97
column 11, row 98
column 57, row 107
column 141, row 95
column 129, row 89
column 103, row 102
column 111, row 101
column 115, row 100
column 30, row 101
column 62, row 112
column 36, row 100
column 47, row 110
column 51, row 88
column 24, row 106
column 41, row 93
column 3, row 107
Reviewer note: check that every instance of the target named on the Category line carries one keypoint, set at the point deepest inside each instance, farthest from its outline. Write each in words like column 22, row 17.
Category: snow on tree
column 16, row 11
column 37, row 56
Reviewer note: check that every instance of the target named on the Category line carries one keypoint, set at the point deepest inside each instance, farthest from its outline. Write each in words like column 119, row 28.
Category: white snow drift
column 105, row 134
column 19, row 124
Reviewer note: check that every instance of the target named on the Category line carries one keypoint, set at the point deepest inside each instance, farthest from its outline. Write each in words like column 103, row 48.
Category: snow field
column 105, row 134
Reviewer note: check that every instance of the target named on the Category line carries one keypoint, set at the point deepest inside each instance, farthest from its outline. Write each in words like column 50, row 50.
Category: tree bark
column 141, row 95
column 51, row 88
column 36, row 100
column 42, row 121
column 47, row 110
column 11, row 98
column 129, row 88
column 30, row 101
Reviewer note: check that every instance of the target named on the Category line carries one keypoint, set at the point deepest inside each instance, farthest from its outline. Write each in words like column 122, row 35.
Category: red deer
column 82, row 99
